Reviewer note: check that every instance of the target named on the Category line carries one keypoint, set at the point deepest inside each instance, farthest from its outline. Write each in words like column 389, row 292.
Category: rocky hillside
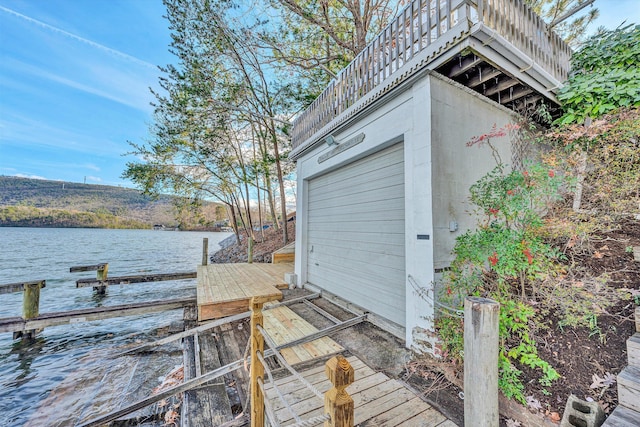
column 262, row 250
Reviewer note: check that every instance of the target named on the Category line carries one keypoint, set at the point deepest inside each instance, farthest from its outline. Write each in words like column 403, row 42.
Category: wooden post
column 481, row 362
column 250, row 251
column 101, row 276
column 30, row 306
column 205, row 251
column 337, row 402
column 257, row 370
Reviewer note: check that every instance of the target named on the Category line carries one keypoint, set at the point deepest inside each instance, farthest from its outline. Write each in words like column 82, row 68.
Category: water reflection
column 25, row 351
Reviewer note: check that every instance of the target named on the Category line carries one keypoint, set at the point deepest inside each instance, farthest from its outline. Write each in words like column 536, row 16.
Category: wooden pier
column 226, row 289
column 32, row 321
column 216, row 387
column 20, row 324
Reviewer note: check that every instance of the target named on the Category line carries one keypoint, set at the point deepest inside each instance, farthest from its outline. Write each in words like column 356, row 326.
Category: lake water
column 29, row 372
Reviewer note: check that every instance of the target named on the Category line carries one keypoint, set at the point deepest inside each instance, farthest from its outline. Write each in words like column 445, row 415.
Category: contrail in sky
column 80, row 39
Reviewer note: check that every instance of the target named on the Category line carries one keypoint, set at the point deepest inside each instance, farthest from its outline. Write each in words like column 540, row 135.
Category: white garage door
column 356, row 233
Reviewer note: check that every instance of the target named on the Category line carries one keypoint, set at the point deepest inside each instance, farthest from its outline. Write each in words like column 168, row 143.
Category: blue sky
column 74, row 79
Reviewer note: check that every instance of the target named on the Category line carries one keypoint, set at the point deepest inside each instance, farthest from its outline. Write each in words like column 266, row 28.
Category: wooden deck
column 283, row 325
column 490, row 41
column 227, row 289
column 379, row 400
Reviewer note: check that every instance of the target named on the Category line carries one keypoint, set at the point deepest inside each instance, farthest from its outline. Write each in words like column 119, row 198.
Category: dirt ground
column 580, row 353
column 582, row 356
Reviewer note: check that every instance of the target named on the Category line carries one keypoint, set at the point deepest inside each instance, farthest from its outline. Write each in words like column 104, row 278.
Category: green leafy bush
column 605, row 76
column 505, row 258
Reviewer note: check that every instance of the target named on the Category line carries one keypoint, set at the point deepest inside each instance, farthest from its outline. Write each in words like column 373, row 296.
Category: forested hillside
column 41, row 203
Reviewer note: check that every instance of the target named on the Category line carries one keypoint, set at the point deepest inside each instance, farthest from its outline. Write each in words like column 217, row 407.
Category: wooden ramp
column 379, row 400
column 283, row 325
column 227, row 289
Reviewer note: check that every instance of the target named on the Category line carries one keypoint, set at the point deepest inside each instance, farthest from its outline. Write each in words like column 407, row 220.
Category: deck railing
column 418, row 26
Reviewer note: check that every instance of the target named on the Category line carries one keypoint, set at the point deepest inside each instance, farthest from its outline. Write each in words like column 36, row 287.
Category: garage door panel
column 328, row 257
column 356, row 231
column 390, row 228
column 357, row 207
column 357, row 196
column 370, row 240
column 346, row 185
column 391, row 158
column 343, row 216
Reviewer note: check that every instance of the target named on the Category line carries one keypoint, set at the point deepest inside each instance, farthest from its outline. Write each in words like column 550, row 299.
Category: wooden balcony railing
column 419, row 27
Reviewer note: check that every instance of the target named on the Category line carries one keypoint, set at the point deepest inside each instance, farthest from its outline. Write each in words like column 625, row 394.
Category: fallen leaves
column 533, row 403
column 608, row 380
column 173, row 378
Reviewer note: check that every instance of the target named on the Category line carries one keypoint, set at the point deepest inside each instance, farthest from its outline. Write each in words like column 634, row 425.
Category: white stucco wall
column 458, row 114
column 434, row 118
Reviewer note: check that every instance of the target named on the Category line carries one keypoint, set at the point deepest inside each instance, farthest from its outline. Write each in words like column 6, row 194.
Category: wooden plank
column 189, row 332
column 144, row 278
column 395, row 415
column 623, row 417
column 225, row 289
column 281, row 258
column 429, row 418
column 232, row 342
column 91, row 314
column 19, row 287
column 633, row 350
column 187, row 385
column 223, row 309
column 629, row 388
column 94, row 267
column 296, row 391
column 386, row 403
column 283, row 325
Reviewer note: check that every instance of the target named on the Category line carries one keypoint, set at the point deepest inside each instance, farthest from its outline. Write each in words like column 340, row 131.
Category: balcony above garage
column 499, row 48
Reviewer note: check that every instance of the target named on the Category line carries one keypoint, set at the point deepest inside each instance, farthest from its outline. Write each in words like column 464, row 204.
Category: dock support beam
column 102, row 270
column 337, row 402
column 257, row 370
column 101, row 276
column 30, row 307
column 481, row 362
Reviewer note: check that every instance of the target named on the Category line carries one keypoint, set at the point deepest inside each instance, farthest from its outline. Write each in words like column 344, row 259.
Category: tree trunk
column 577, row 194
column 283, row 196
column 234, row 222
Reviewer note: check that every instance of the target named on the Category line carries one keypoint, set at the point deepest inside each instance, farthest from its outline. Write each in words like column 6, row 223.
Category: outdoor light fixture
column 330, row 140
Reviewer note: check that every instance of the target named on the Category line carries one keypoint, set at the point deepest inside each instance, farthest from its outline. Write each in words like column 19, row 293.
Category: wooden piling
column 101, row 276
column 257, row 370
column 337, row 402
column 205, row 251
column 30, row 306
column 101, row 269
column 481, row 362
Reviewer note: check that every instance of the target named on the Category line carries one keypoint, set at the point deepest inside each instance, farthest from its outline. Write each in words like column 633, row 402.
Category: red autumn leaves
column 526, row 251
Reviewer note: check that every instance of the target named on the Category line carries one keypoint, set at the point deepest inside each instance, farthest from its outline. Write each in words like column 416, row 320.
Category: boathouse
column 383, row 170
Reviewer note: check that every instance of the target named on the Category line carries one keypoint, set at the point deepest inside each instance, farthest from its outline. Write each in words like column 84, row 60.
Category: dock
column 299, row 334
column 226, row 289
